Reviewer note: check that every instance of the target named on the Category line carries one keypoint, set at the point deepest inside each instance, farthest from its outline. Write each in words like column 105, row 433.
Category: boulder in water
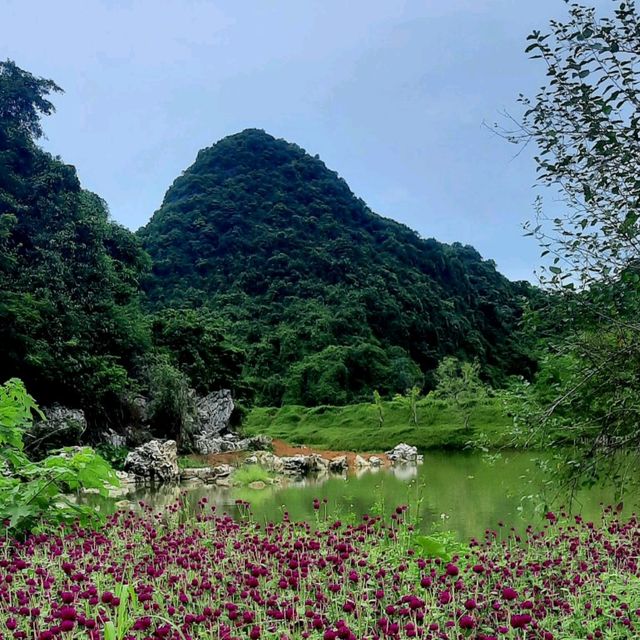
column 338, row 464
column 155, row 460
column 403, row 453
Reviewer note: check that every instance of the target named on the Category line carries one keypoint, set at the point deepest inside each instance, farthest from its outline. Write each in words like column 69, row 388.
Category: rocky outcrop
column 62, row 427
column 233, row 442
column 403, row 454
column 213, row 413
column 155, row 461
column 298, row 465
column 114, row 439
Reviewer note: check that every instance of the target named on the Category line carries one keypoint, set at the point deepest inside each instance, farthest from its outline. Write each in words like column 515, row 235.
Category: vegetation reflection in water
column 461, row 492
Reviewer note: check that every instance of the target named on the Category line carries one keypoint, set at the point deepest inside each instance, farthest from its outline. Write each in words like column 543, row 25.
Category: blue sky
column 392, row 94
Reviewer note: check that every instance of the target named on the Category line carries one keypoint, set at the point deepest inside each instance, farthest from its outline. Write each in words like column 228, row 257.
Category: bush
column 171, row 405
column 34, row 495
column 114, row 454
column 251, row 473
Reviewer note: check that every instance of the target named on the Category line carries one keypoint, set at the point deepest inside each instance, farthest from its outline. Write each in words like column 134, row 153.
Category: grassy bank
column 357, row 427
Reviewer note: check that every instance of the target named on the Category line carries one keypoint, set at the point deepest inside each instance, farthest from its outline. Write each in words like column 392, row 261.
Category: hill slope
column 328, row 300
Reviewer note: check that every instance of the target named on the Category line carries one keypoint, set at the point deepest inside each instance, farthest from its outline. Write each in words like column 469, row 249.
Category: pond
column 461, row 492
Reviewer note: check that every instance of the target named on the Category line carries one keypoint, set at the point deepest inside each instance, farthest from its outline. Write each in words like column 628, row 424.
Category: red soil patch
column 282, row 448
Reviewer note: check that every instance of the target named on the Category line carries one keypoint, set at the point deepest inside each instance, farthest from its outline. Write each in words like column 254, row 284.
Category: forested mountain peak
column 328, row 299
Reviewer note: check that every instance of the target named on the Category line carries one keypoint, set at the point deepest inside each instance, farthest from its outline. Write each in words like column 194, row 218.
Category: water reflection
column 462, row 492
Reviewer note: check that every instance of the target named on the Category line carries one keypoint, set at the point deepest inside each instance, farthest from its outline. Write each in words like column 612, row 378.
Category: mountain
column 328, row 300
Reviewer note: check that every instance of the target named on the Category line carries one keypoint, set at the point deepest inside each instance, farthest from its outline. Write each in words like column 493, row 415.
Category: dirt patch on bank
column 282, row 448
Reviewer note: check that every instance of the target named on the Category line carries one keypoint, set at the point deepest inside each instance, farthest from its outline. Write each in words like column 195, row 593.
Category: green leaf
column 431, row 547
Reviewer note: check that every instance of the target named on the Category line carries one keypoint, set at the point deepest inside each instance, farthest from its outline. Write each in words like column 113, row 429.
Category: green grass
column 251, row 473
column 190, row 462
column 357, row 427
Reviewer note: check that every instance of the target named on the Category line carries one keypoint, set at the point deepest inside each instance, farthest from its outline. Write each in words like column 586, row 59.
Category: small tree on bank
column 460, row 384
column 377, row 401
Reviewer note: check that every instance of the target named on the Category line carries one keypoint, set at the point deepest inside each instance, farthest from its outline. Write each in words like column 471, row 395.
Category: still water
column 461, row 492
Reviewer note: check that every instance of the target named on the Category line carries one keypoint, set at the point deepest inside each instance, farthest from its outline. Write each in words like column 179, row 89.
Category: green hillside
column 327, row 299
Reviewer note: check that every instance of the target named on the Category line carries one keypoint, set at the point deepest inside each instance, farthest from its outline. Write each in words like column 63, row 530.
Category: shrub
column 35, row 494
column 251, row 473
column 171, row 407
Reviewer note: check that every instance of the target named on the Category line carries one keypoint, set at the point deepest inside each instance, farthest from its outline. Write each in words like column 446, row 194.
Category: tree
column 196, row 341
column 24, row 100
column 172, row 405
column 377, row 402
column 585, row 124
column 71, row 325
column 459, row 383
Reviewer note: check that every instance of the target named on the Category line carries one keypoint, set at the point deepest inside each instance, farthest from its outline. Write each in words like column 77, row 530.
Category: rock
column 318, row 464
column 361, row 462
column 155, row 460
column 125, row 478
column 140, row 409
column 114, row 439
column 213, row 413
column 223, row 482
column 197, row 473
column 301, row 465
column 257, row 484
column 63, row 427
column 338, row 464
column 375, row 461
column 257, row 443
column 232, row 442
column 298, row 465
column 222, row 470
column 268, row 460
column 403, row 453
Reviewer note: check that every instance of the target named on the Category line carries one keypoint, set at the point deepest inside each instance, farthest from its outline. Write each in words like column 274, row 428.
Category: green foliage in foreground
column 441, row 424
column 34, row 494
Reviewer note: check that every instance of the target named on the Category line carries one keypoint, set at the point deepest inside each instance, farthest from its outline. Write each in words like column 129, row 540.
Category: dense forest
column 71, row 324
column 328, row 300
column 261, row 271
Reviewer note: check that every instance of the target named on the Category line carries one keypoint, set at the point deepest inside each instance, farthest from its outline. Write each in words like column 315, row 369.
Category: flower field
column 149, row 575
